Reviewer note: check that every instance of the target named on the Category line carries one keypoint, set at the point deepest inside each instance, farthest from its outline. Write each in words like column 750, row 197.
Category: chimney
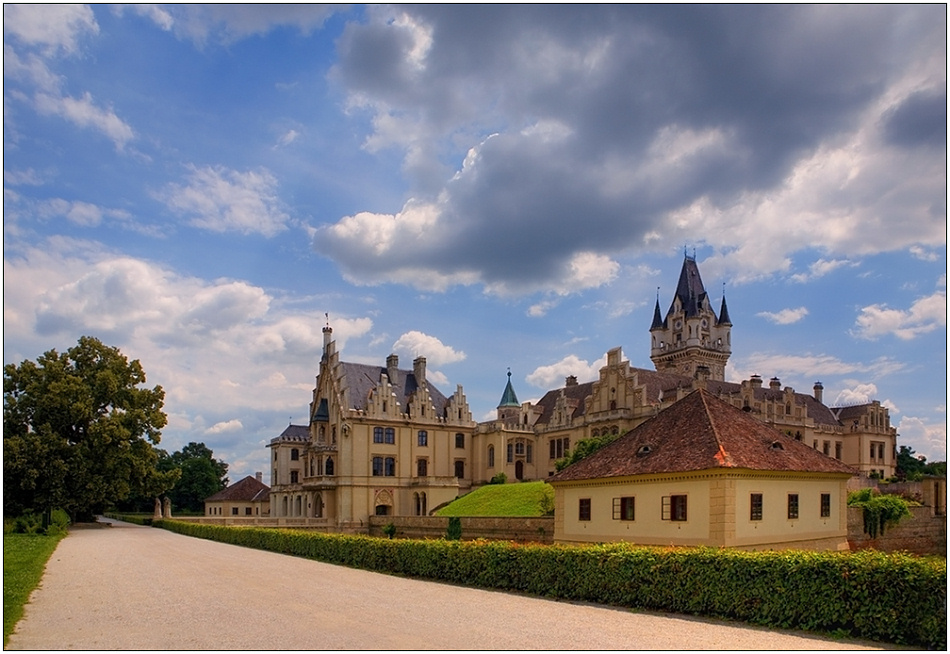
column 392, row 369
column 571, row 380
column 756, row 381
column 419, row 368
column 259, row 476
column 775, row 384
column 818, row 388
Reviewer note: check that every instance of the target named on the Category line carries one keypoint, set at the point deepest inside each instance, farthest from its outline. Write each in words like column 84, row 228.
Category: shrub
column 880, row 510
column 500, row 478
column 390, row 530
column 455, row 528
column 898, row 598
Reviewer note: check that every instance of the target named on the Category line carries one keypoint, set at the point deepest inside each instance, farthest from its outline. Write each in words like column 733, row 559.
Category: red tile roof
column 701, row 432
column 246, row 490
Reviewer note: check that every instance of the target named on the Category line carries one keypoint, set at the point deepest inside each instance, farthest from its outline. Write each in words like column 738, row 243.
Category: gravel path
column 130, row 587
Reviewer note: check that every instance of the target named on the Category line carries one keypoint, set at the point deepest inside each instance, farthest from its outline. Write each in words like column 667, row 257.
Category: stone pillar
column 167, row 513
column 157, row 514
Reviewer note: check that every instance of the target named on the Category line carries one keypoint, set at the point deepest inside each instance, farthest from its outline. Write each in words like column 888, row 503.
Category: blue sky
column 491, row 187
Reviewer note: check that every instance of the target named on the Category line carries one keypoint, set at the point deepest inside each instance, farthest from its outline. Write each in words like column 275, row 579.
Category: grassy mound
column 528, row 499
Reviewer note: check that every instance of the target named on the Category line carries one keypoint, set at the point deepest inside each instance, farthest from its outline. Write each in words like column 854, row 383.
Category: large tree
column 79, row 430
column 201, row 476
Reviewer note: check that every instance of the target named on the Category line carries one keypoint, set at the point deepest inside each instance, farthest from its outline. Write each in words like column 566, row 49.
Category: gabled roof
column 246, row 490
column 508, row 398
column 701, row 432
column 362, row 378
column 575, row 394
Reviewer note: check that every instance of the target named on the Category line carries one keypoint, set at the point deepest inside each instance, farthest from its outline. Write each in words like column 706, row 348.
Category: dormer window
column 777, row 445
column 643, row 450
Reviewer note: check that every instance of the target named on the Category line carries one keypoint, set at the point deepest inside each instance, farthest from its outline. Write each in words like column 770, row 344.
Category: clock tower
column 691, row 340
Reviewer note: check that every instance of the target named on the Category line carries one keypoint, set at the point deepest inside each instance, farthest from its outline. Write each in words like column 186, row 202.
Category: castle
column 383, row 440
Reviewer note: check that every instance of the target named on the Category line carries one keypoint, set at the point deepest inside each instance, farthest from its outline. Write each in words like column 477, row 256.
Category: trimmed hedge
column 897, row 598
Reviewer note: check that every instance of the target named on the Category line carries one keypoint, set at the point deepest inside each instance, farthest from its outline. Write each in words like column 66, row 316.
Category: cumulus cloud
column 807, row 368
column 785, row 316
column 924, row 315
column 927, row 439
column 738, row 134
column 221, row 200
column 553, row 376
column 225, row 427
column 416, row 344
column 859, row 394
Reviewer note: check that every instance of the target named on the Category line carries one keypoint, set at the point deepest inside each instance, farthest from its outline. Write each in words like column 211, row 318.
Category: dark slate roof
column 658, row 322
column 817, row 411
column 689, row 289
column 852, row 412
column 246, row 490
column 508, row 398
column 362, row 379
column 724, row 313
column 293, row 433
column 701, row 432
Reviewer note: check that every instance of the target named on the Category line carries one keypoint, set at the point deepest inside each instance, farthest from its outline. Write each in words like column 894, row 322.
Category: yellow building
column 704, row 472
column 248, row 498
column 385, row 441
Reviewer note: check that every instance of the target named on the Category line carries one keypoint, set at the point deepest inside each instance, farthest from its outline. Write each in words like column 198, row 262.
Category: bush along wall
column 896, row 598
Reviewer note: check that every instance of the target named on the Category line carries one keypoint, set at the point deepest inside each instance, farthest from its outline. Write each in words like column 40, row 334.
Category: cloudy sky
column 491, row 187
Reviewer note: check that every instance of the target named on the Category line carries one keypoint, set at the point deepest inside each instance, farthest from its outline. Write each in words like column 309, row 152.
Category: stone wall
column 522, row 530
column 922, row 533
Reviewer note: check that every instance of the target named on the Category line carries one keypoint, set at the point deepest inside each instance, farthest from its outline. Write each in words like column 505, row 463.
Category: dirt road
column 129, row 587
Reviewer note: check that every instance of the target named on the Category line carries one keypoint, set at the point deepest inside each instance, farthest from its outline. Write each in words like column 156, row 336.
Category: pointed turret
column 508, row 398
column 657, row 318
column 724, row 313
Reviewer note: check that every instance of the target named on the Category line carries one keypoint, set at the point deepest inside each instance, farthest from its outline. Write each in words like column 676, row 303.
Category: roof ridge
column 722, row 456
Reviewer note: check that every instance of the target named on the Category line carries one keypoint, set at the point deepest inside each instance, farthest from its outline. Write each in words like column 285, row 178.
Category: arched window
column 329, row 466
column 491, row 456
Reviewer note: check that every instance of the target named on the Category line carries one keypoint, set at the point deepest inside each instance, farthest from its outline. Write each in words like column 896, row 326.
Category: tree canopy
column 79, row 430
column 201, row 476
column 913, row 467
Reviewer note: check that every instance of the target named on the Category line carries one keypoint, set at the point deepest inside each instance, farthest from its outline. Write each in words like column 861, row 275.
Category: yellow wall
column 718, row 510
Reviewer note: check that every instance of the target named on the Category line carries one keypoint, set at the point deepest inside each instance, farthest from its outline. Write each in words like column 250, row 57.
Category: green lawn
column 24, row 559
column 525, row 499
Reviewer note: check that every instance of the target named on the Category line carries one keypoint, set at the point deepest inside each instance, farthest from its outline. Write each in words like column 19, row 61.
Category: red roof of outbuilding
column 701, row 432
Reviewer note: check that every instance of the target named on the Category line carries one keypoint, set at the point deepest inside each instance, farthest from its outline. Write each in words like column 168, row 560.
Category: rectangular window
column 511, row 453
column 755, row 506
column 551, row 445
column 873, row 450
column 422, row 468
column 377, row 434
column 460, row 440
column 674, row 508
column 247, row 510
column 295, row 454
column 519, row 448
column 583, row 509
column 294, row 476
column 530, row 453
column 826, row 505
column 423, row 438
column 390, row 436
column 460, row 469
column 623, row 508
column 837, row 450
column 792, row 506
column 234, row 510
column 390, row 466
column 377, row 466
column 826, row 448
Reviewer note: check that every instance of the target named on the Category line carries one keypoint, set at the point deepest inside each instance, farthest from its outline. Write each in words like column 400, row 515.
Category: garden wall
column 922, row 533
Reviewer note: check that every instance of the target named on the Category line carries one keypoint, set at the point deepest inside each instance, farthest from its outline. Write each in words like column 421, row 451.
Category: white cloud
column 859, row 394
column 819, row 269
column 287, row 138
column 225, row 427
column 928, row 439
column 553, row 376
column 925, row 315
column 54, row 28
column 220, row 200
column 785, row 316
column 418, row 344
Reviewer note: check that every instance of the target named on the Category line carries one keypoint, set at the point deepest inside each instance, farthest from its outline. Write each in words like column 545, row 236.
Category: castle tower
column 691, row 339
column 509, row 409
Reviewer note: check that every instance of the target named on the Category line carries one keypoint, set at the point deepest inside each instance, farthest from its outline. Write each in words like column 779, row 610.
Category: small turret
column 818, row 389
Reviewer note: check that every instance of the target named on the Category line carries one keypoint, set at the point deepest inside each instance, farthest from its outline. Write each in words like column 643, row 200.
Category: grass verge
column 24, row 560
